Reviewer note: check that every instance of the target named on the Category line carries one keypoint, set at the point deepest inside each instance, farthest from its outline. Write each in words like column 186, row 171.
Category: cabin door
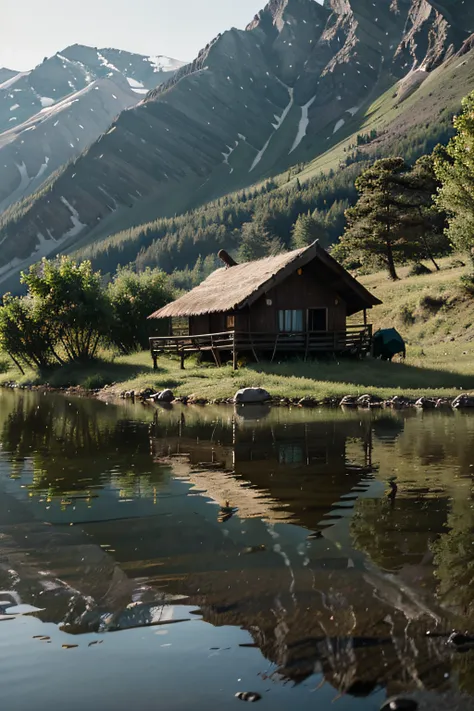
column 317, row 319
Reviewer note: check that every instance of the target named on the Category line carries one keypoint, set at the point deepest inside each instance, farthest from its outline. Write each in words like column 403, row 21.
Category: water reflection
column 111, row 518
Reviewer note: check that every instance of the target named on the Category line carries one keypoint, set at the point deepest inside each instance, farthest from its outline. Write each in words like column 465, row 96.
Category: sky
column 33, row 29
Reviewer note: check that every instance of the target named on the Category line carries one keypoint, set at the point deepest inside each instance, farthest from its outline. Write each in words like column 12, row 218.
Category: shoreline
column 368, row 401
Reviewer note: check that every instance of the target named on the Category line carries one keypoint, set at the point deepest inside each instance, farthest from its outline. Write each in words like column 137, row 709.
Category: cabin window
column 291, row 321
column 317, row 319
column 230, row 322
column 179, row 326
column 290, row 454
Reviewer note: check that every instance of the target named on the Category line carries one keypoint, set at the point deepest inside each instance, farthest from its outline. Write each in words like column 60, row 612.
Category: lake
column 171, row 558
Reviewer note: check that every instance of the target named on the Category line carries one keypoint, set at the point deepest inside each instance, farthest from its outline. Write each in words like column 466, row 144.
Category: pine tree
column 422, row 215
column 256, row 243
column 375, row 231
column 308, row 228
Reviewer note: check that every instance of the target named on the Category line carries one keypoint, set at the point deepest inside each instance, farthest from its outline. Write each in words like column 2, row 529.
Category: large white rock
column 251, row 395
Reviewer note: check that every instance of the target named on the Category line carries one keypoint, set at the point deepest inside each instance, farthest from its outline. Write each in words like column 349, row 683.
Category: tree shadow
column 98, row 372
column 371, row 373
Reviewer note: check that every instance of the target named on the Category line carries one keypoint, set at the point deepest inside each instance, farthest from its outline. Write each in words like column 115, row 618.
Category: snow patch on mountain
column 105, row 63
column 136, row 86
column 260, row 154
column 276, row 126
column 77, row 225
column 134, row 83
column 24, row 178
column 280, row 119
column 43, row 168
column 10, row 82
column 227, row 155
column 164, row 64
column 303, row 124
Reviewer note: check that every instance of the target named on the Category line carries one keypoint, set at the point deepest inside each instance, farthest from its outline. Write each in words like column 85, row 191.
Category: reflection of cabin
column 299, row 469
column 296, row 302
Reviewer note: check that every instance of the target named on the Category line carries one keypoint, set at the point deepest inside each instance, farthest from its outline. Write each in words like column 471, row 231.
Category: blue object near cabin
column 387, row 342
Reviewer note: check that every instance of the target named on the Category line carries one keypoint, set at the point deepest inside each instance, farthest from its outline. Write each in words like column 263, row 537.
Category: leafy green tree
column 133, row 297
column 454, row 168
column 24, row 335
column 375, row 231
column 71, row 304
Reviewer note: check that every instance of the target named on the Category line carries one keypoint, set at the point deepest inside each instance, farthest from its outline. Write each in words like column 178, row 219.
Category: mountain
column 6, row 74
column 24, row 94
column 50, row 115
column 296, row 81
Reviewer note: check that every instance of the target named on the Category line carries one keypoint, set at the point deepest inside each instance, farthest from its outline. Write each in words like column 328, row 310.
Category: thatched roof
column 230, row 289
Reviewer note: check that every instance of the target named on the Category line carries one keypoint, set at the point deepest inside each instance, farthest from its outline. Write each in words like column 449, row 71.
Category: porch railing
column 355, row 338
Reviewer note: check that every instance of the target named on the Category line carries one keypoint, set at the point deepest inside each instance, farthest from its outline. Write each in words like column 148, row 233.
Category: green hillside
column 432, row 312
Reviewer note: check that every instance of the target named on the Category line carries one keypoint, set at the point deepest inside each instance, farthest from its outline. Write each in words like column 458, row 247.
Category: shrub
column 71, row 304
column 406, row 315
column 133, row 297
column 97, row 381
column 432, row 304
column 467, row 283
column 24, row 335
column 4, row 365
column 419, row 269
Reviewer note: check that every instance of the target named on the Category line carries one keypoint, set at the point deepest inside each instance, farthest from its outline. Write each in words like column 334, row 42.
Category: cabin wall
column 199, row 325
column 309, row 290
column 303, row 291
column 242, row 322
column 218, row 323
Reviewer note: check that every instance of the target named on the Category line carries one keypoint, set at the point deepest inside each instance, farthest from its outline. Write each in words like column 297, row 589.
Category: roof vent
column 227, row 259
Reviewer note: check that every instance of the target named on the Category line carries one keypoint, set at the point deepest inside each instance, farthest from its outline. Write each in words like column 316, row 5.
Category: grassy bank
column 432, row 312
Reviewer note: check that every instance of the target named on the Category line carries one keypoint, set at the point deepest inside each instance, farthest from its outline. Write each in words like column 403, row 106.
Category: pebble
column 255, row 549
column 248, row 696
column 399, row 704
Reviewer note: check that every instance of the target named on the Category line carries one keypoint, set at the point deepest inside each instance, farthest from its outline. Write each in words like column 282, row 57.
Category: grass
column 433, row 313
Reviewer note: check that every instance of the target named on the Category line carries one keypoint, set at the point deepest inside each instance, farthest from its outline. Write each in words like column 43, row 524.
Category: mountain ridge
column 252, row 102
column 31, row 147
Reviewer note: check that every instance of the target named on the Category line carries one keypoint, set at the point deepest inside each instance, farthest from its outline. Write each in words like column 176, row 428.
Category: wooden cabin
column 297, row 302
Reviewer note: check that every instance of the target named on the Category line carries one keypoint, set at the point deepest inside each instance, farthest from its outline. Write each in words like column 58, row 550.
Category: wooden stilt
column 234, row 354
column 155, row 361
column 182, row 359
column 253, row 349
column 215, row 356
column 275, row 348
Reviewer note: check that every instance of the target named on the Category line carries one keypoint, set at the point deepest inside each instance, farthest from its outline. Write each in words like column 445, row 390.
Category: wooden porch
column 355, row 339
